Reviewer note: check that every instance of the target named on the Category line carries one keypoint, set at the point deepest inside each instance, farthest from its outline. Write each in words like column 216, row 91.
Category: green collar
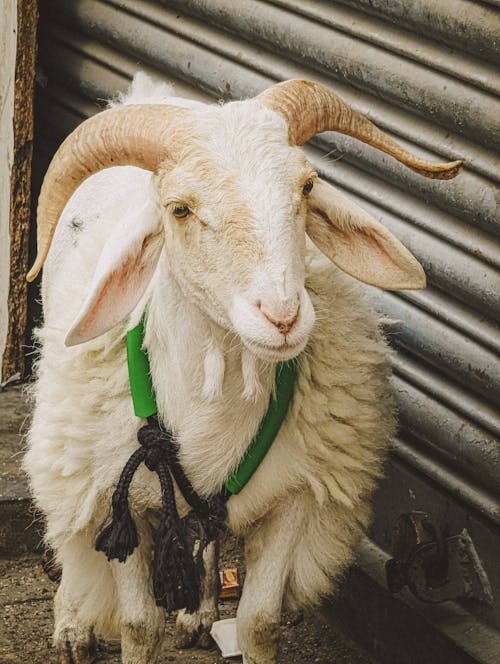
column 144, row 401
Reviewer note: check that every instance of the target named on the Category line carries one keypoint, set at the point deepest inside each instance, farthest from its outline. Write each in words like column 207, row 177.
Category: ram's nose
column 282, row 322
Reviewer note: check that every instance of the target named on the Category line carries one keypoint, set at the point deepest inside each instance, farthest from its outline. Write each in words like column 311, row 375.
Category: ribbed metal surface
column 427, row 73
column 471, row 26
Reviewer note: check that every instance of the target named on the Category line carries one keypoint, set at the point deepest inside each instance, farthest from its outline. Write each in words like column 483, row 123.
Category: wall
column 19, row 72
column 8, row 43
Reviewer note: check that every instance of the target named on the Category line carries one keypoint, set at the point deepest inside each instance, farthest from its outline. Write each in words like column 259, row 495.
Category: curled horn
column 310, row 108
column 135, row 135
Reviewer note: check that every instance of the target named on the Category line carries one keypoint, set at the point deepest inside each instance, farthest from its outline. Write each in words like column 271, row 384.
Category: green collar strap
column 144, row 401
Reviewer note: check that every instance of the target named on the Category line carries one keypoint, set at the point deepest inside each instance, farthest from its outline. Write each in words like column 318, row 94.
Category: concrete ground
column 26, row 592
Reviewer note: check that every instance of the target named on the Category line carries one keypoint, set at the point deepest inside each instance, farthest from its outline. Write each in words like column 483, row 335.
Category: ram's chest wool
column 177, row 571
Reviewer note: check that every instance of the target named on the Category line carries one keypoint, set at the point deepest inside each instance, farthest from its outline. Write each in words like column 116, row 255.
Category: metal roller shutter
column 427, row 73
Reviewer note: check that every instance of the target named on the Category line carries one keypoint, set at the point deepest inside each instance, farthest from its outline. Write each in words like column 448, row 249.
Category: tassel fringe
column 177, row 566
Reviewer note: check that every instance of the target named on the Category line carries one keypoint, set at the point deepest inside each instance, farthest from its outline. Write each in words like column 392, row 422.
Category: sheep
column 196, row 216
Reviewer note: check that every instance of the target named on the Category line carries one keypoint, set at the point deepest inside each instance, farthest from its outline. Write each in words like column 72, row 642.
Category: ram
column 190, row 220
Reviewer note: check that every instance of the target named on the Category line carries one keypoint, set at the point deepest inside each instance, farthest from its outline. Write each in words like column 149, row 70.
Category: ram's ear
column 124, row 270
column 357, row 243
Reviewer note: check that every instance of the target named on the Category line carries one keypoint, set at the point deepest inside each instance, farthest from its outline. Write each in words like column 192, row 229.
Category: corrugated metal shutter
column 426, row 72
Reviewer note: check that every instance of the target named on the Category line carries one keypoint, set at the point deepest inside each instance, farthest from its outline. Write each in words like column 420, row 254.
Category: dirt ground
column 26, row 625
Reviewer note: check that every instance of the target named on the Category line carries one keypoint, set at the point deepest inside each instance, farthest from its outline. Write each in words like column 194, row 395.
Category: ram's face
column 235, row 202
column 234, row 209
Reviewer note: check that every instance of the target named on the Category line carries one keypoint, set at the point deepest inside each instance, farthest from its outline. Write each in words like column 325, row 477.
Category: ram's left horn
column 135, row 135
column 310, row 108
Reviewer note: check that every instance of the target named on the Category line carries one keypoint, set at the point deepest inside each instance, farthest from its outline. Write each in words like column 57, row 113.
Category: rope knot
column 153, row 456
column 153, row 440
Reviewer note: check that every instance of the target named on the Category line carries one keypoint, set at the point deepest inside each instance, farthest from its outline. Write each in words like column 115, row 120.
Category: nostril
column 283, row 325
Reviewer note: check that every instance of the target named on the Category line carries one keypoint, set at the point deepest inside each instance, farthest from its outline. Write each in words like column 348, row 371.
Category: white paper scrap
column 224, row 634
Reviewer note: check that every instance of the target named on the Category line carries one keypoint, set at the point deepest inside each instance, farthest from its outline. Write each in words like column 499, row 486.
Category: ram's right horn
column 140, row 135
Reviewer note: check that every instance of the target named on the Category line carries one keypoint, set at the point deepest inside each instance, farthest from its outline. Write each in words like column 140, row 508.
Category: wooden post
column 20, row 187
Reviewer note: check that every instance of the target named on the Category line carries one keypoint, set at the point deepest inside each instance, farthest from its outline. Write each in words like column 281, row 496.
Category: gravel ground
column 26, row 625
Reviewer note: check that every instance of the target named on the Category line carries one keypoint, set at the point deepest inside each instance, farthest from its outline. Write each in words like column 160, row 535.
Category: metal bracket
column 435, row 568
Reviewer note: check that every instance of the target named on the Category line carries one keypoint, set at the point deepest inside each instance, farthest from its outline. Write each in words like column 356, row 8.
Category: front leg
column 142, row 622
column 85, row 575
column 194, row 628
column 268, row 551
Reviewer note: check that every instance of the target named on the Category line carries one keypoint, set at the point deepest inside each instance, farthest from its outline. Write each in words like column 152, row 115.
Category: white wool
column 251, row 380
column 214, row 366
column 308, row 501
column 147, row 90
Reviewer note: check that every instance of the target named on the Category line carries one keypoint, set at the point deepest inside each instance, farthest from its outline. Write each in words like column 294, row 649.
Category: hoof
column 205, row 641
column 77, row 654
column 73, row 651
column 185, row 638
column 193, row 629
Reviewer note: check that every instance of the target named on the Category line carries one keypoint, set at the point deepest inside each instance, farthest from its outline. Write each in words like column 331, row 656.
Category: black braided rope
column 120, row 538
column 177, row 566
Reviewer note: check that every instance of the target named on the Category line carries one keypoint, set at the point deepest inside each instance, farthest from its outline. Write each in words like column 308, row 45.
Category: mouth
column 285, row 351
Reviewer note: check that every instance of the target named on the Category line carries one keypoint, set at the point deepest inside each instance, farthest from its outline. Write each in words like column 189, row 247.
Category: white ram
column 204, row 228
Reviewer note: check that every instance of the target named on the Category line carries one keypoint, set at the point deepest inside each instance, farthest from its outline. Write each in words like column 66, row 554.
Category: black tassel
column 120, row 538
column 176, row 576
column 177, row 566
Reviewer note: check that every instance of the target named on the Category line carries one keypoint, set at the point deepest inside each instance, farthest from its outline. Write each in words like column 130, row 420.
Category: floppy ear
column 358, row 244
column 124, row 270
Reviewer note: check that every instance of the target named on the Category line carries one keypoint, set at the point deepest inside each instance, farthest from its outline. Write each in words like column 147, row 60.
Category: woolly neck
column 144, row 401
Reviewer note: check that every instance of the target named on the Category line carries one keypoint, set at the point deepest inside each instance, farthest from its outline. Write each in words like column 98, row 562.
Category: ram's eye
column 181, row 211
column 307, row 188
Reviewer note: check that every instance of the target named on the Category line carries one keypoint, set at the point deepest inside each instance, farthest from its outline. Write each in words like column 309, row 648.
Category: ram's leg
column 268, row 550
column 142, row 623
column 85, row 577
column 73, row 640
column 194, row 628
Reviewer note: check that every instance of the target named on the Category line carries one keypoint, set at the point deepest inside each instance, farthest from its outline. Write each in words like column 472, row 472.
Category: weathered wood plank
column 13, row 356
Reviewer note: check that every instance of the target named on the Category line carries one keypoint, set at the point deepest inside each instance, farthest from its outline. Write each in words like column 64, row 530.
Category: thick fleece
column 306, row 506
